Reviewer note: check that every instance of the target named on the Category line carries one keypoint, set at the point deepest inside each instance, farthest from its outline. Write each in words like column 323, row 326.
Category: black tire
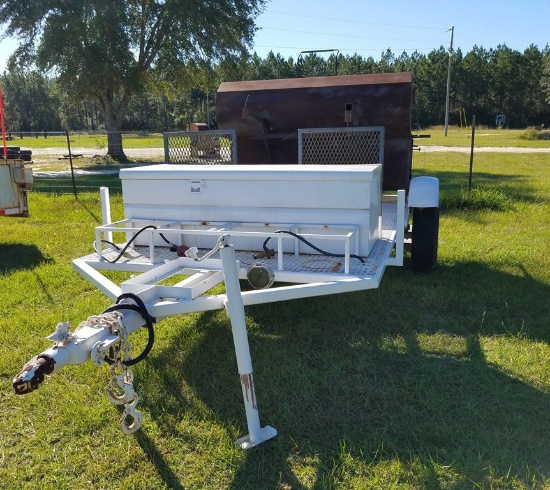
column 425, row 232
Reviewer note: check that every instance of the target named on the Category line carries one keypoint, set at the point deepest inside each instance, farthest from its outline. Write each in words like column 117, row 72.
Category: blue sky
column 370, row 27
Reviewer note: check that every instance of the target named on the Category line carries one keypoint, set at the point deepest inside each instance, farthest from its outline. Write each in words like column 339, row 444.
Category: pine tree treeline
column 483, row 82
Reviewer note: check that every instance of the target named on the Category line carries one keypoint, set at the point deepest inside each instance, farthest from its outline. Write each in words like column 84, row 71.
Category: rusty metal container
column 198, row 126
column 202, row 145
column 268, row 113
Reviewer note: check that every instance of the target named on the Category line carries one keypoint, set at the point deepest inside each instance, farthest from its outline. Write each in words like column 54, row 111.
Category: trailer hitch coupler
column 32, row 374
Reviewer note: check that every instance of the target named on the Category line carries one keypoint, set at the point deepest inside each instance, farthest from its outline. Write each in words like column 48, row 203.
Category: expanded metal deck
column 290, row 267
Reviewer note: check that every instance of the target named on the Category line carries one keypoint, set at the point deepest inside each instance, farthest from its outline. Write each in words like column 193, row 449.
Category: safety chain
column 120, row 389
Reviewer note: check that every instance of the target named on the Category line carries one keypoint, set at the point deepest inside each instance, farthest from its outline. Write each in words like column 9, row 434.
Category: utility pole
column 452, row 29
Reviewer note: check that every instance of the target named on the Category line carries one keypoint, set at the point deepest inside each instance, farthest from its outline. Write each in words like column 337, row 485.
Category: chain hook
column 124, row 381
column 135, row 416
column 120, row 389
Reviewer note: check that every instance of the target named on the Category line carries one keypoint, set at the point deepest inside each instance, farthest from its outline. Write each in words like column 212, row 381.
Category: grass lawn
column 86, row 140
column 437, row 381
column 484, row 137
column 97, row 141
column 456, row 136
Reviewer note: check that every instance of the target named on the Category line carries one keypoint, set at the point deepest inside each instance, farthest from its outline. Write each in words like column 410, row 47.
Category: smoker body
column 267, row 114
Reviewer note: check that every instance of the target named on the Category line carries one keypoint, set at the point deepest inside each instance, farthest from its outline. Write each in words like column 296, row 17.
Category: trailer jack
column 109, row 332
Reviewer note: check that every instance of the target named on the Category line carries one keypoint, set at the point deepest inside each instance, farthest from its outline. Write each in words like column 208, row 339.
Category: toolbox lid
column 253, row 172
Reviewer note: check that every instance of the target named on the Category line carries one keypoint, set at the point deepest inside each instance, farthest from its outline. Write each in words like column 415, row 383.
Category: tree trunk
column 113, row 117
column 114, row 145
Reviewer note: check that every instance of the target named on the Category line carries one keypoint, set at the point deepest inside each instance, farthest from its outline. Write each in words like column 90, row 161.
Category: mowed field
column 437, row 380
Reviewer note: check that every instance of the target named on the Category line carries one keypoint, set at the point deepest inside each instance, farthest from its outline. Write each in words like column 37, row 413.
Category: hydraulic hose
column 173, row 246
column 309, row 244
column 140, row 307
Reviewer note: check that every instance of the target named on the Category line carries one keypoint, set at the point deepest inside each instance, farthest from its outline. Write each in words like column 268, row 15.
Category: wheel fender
column 424, row 192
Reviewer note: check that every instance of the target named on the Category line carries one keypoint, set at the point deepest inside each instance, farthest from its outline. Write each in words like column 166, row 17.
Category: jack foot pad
column 266, row 433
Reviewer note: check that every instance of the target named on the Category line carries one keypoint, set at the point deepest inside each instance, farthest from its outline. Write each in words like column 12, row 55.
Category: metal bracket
column 61, row 334
column 192, row 252
column 99, row 349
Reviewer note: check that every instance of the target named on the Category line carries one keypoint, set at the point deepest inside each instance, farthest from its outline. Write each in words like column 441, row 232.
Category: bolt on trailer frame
column 315, row 229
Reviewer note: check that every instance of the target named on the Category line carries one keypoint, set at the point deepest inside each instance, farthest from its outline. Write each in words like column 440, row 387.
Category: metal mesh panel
column 201, row 147
column 341, row 146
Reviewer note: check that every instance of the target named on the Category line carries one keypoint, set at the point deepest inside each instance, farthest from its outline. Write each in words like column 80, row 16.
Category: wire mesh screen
column 201, row 147
column 341, row 146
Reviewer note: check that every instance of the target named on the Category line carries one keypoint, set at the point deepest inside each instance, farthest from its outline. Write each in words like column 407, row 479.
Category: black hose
column 309, row 244
column 114, row 245
column 140, row 307
column 173, row 246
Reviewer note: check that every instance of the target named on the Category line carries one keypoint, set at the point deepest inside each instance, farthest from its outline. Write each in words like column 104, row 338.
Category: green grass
column 82, row 184
column 431, row 381
column 491, row 137
column 96, row 141
column 478, row 198
column 456, row 136
column 87, row 140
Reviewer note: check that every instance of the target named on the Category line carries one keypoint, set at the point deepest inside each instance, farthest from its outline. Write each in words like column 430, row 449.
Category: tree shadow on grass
column 96, row 176
column 63, row 184
column 354, row 389
column 157, row 459
column 20, row 256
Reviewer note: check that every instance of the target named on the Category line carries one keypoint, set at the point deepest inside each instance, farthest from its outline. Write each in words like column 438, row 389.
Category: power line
column 354, row 21
column 301, row 48
column 346, row 35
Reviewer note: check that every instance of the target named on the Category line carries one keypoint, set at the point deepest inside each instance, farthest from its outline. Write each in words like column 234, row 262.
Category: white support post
column 105, row 212
column 235, row 309
column 399, row 231
column 400, row 236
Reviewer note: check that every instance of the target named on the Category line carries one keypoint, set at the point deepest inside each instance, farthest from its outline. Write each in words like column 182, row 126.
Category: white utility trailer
column 292, row 231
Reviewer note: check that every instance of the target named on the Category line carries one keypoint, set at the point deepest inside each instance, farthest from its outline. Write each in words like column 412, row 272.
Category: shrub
column 530, row 134
column 479, row 198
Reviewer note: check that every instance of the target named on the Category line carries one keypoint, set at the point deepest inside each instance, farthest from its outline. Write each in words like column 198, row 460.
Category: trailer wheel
column 425, row 231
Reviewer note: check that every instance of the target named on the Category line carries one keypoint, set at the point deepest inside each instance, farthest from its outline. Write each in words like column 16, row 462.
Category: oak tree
column 109, row 49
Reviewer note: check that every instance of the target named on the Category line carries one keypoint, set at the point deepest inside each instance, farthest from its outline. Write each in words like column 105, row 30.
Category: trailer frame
column 171, row 278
